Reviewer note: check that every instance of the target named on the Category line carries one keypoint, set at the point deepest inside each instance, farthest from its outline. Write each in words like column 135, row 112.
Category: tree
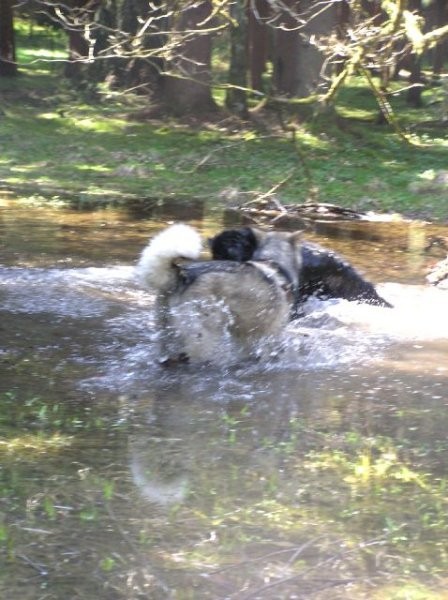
column 236, row 97
column 320, row 20
column 186, row 86
column 140, row 28
column 439, row 18
column 286, row 42
column 8, row 66
column 78, row 44
column 164, row 47
column 299, row 61
column 258, row 42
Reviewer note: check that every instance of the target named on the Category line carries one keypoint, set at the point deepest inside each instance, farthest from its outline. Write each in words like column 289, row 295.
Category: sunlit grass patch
column 86, row 124
column 408, row 591
column 371, row 465
column 28, row 444
column 38, row 42
column 42, row 54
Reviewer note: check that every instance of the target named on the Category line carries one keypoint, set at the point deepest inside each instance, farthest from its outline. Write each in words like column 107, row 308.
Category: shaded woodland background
column 298, row 52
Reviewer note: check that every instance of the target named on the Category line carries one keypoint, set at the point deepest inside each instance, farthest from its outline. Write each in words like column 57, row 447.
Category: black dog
column 323, row 273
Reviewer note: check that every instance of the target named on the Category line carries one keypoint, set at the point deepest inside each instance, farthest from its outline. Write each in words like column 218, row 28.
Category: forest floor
column 64, row 144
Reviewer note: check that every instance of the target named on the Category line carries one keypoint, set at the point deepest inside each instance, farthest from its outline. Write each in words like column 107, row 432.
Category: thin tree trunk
column 78, row 44
column 440, row 51
column 8, row 66
column 78, row 50
column 236, row 97
column 143, row 74
column 286, row 53
column 299, row 68
column 258, row 43
column 414, row 95
column 311, row 73
column 188, row 90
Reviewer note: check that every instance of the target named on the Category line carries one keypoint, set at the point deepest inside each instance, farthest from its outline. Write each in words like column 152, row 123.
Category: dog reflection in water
column 220, row 311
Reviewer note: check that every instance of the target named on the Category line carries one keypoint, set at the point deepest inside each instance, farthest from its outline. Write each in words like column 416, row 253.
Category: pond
column 322, row 475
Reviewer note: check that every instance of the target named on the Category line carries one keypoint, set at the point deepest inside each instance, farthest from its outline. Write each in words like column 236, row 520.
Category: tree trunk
column 78, row 50
column 414, row 95
column 78, row 43
column 440, row 51
column 298, row 63
column 8, row 66
column 187, row 90
column 104, row 20
column 286, row 43
column 258, row 43
column 312, row 75
column 141, row 73
column 236, row 97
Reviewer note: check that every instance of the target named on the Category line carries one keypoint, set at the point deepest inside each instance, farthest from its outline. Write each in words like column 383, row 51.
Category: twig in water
column 41, row 569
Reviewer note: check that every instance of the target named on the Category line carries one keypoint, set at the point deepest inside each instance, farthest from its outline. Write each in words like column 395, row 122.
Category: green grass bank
column 57, row 143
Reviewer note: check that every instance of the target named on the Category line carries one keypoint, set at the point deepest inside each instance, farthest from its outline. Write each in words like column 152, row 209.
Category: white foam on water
column 418, row 313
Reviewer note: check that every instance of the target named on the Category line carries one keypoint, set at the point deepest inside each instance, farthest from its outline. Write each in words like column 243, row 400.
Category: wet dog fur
column 323, row 273
column 219, row 311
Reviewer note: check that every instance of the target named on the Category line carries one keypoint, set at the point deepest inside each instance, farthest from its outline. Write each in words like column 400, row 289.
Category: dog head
column 234, row 244
column 249, row 243
column 281, row 249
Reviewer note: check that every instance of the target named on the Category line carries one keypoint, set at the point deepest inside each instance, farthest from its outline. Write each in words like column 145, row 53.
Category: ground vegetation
column 92, row 142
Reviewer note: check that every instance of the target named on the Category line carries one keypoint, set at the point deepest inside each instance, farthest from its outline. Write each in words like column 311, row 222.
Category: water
column 319, row 474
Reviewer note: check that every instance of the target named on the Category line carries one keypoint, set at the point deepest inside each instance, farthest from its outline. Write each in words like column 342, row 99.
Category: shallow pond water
column 321, row 474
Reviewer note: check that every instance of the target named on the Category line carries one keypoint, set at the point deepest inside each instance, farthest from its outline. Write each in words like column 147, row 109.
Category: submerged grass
column 90, row 149
column 325, row 510
column 32, row 444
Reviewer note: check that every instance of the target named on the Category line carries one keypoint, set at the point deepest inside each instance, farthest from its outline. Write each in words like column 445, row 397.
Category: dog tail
column 156, row 267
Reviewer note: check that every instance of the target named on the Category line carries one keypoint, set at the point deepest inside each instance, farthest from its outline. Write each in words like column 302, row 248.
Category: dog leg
column 170, row 345
column 206, row 330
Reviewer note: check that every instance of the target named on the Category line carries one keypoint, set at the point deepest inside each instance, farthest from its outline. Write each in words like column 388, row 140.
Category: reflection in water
column 318, row 474
column 158, row 468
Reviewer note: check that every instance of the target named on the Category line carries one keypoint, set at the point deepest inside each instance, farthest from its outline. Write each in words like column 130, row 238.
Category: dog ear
column 296, row 237
column 258, row 234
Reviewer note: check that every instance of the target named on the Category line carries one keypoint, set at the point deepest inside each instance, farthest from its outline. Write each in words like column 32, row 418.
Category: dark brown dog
column 323, row 273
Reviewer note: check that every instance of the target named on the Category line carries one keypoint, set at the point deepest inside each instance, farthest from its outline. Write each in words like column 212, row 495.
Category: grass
column 32, row 444
column 60, row 143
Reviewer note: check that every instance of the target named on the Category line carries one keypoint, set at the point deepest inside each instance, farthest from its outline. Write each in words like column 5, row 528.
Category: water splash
column 419, row 313
column 66, row 292
column 330, row 335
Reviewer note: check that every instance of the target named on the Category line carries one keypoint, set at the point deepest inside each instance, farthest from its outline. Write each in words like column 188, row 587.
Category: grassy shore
column 60, row 144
